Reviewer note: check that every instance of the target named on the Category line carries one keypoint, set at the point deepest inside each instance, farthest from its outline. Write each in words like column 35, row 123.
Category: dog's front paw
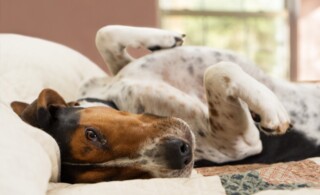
column 162, row 39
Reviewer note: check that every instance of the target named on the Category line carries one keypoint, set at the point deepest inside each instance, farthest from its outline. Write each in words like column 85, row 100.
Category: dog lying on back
column 215, row 91
column 103, row 144
column 223, row 98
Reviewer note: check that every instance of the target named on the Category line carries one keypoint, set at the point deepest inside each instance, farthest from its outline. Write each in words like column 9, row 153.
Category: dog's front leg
column 113, row 40
column 231, row 94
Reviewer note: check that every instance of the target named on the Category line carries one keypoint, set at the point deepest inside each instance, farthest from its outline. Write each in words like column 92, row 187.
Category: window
column 257, row 29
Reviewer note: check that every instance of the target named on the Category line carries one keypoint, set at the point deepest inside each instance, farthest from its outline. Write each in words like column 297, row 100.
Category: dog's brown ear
column 42, row 111
column 48, row 103
column 72, row 104
column 18, row 107
column 49, row 97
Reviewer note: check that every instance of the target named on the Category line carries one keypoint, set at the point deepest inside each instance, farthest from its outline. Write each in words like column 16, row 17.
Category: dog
column 102, row 144
column 213, row 96
column 223, row 97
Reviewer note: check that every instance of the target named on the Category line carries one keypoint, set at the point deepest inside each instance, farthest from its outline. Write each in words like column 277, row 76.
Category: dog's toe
column 162, row 39
column 276, row 130
column 178, row 40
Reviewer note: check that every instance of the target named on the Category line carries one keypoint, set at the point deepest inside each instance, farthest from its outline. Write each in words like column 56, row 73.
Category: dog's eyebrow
column 106, row 102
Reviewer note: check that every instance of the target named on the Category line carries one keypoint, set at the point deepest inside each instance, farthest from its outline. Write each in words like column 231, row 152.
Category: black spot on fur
column 140, row 109
column 208, row 93
column 143, row 66
column 222, row 148
column 293, row 113
column 304, row 105
column 129, row 93
column 231, row 58
column 198, row 150
column 217, row 54
column 190, row 70
column 201, row 133
column 143, row 162
column 199, row 60
column 86, row 85
column 292, row 146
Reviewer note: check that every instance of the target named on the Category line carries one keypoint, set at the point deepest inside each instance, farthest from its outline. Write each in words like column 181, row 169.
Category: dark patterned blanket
column 250, row 179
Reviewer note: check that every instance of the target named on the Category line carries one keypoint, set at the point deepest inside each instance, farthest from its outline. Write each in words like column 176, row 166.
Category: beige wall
column 74, row 22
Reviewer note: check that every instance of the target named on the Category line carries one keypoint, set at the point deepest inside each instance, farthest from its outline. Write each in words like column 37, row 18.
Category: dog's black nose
column 178, row 153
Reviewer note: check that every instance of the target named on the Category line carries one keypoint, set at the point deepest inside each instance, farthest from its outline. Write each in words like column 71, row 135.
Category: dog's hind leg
column 113, row 40
column 231, row 94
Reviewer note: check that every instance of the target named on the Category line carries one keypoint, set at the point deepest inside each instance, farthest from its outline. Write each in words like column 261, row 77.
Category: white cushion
column 25, row 165
column 27, row 65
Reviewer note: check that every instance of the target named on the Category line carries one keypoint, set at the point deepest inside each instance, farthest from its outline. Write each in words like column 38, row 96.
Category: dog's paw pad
column 277, row 130
column 275, row 122
column 162, row 39
column 154, row 48
column 271, row 115
column 177, row 42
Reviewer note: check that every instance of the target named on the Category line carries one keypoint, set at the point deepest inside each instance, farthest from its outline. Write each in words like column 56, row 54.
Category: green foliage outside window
column 263, row 40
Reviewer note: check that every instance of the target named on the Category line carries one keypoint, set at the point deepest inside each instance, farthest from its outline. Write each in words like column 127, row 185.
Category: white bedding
column 29, row 158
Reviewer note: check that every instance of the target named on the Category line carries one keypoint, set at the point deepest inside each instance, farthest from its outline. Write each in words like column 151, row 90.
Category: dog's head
column 103, row 144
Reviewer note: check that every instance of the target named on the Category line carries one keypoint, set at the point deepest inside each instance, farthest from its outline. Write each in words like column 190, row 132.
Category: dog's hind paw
column 277, row 130
column 274, row 119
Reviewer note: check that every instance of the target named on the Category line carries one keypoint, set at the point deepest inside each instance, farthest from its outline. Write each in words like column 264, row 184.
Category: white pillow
column 27, row 65
column 25, row 164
